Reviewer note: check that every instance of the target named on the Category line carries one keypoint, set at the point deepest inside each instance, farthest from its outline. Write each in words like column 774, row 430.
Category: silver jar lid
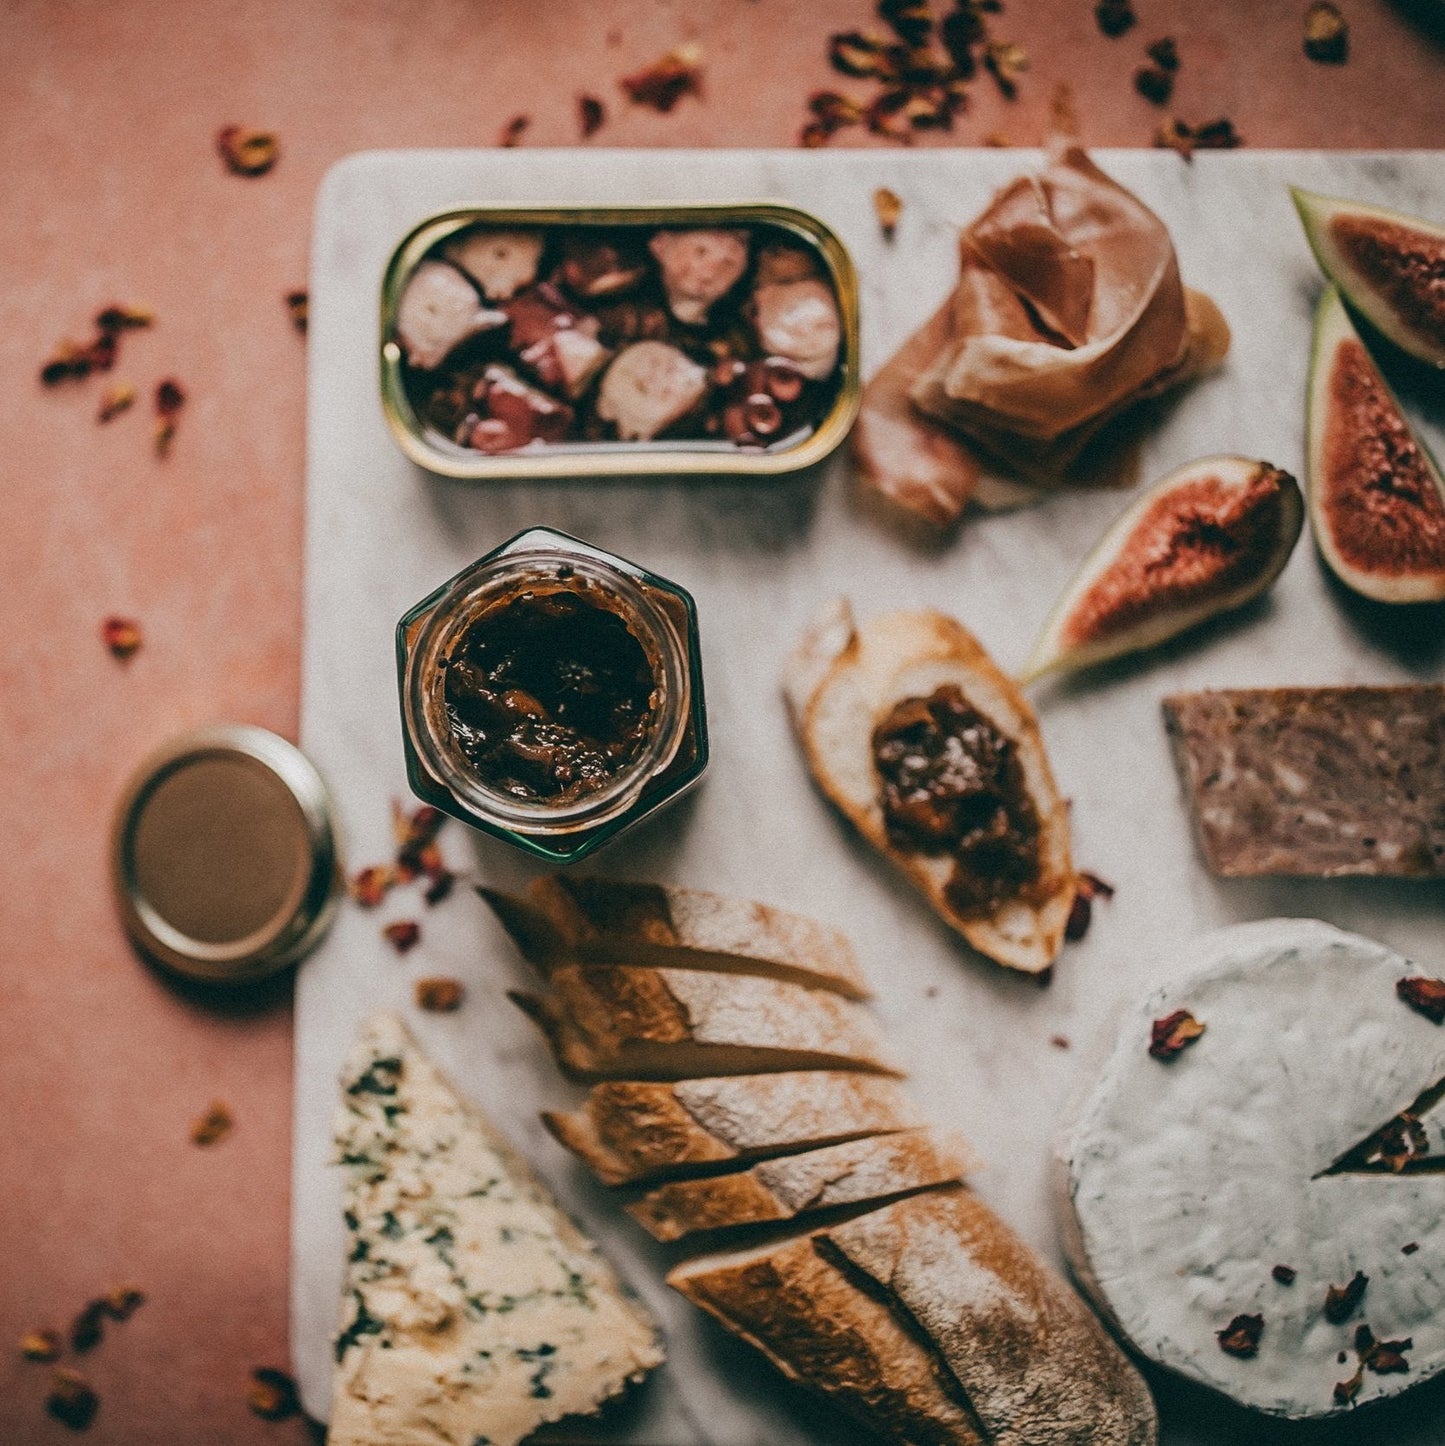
column 224, row 857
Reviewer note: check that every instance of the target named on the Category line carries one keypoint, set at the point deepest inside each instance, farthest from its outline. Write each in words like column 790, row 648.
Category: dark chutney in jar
column 954, row 786
column 550, row 695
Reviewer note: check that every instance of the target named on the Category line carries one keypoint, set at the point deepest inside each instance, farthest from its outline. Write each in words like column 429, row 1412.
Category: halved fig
column 1202, row 541
column 1389, row 267
column 1376, row 497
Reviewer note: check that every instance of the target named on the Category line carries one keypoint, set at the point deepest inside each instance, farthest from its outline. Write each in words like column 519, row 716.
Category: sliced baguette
column 630, row 1131
column 601, row 921
column 617, row 1021
column 877, row 1168
column 842, row 680
column 818, row 1327
column 1035, row 1364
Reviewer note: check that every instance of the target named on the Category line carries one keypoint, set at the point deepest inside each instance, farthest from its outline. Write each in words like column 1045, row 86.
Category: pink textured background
column 112, row 191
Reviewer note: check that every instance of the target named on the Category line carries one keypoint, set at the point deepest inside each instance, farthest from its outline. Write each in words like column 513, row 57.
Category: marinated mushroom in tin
column 579, row 336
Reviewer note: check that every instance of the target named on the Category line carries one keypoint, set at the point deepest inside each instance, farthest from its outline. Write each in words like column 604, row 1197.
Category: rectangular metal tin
column 635, row 459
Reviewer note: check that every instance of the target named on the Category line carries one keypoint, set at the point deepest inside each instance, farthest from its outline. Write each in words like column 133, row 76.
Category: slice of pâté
column 474, row 1310
column 1315, row 781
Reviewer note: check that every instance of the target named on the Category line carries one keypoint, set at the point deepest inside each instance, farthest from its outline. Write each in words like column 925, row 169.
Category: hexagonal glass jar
column 657, row 613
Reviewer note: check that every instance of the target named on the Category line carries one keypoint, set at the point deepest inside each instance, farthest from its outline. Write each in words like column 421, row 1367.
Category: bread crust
column 842, row 680
column 877, row 1168
column 604, row 921
column 632, row 1130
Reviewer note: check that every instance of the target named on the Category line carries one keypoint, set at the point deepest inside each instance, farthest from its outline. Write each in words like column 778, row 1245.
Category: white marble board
column 759, row 557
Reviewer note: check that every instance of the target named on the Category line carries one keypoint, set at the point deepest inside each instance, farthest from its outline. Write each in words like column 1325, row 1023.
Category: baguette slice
column 1036, row 1366
column 880, row 1167
column 842, row 680
column 630, row 1131
column 817, row 1326
column 617, row 1021
column 601, row 921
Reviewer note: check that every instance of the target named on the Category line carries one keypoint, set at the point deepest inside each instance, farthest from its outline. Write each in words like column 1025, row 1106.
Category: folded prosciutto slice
column 1068, row 310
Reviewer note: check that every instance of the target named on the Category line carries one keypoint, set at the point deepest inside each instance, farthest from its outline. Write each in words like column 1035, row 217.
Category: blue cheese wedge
column 474, row 1311
column 1264, row 1211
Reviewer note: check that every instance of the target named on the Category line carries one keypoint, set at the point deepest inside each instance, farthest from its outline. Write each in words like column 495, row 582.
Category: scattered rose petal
column 72, row 361
column 247, row 152
column 71, row 1401
column 1285, row 1274
column 889, row 206
column 88, row 1327
column 997, row 140
column 41, row 1345
column 1006, row 61
column 1402, row 1140
column 403, row 936
column 1346, row 1391
column 861, row 56
column 298, row 305
column 213, row 1126
column 272, row 1394
column 1155, row 85
column 1409, row 1249
column 1059, row 1041
column 121, row 1302
column 119, row 316
column 1215, row 135
column 440, row 886
column 169, row 401
column 1164, row 53
column 1387, row 1358
column 440, row 996
column 513, row 131
column 114, row 400
column 1172, row 1034
column 1241, row 1336
column 1327, row 34
column 1115, row 17
column 911, row 20
column 122, row 636
column 1341, row 1301
column 590, row 115
column 1425, row 995
column 663, row 83
column 369, row 886
column 415, row 832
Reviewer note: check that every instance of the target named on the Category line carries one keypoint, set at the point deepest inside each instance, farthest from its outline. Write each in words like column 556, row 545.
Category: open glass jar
column 551, row 695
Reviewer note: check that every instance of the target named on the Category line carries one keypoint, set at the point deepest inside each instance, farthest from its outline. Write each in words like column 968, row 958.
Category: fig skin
column 1402, row 308
column 1267, row 526
column 1416, row 574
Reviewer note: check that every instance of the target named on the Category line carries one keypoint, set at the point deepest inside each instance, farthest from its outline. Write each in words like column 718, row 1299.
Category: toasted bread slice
column 819, row 1327
column 877, row 1168
column 842, row 680
column 618, row 1021
column 1035, row 1365
column 631, row 1130
column 602, row 921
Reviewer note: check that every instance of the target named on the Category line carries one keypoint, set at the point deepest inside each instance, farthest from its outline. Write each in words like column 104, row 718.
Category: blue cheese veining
column 474, row 1310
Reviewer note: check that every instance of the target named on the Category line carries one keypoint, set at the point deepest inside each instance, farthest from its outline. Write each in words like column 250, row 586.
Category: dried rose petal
column 885, row 115
column 122, row 636
column 1285, row 1274
column 1081, row 915
column 1346, row 1391
column 997, row 140
column 272, row 1394
column 120, row 316
column 121, row 1302
column 298, row 306
column 512, row 132
column 1403, row 1139
column 403, row 935
column 1241, row 1336
column 41, row 1345
column 813, row 135
column 1164, row 53
column 911, row 20
column 1341, row 1301
column 214, row 1125
column 369, row 886
column 442, row 882
column 247, row 153
column 88, row 1327
column 1173, row 1033
column 115, row 400
column 1327, row 34
column 834, row 111
column 1409, row 1249
column 1215, row 135
column 663, row 83
column 169, row 401
column 71, row 1401
column 1006, row 60
column 1154, row 84
column 440, row 996
column 1059, row 1041
column 590, row 115
column 1388, row 1357
column 1115, row 17
column 1425, row 995
column 861, row 56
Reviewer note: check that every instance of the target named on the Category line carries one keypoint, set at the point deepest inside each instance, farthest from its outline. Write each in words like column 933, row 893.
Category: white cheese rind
column 1183, row 1184
column 474, row 1311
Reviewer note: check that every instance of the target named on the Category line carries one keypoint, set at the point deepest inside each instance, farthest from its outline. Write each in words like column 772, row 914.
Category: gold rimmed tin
column 223, row 855
column 428, row 448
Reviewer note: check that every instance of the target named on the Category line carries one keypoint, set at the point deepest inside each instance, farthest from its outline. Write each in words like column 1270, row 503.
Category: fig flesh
column 1376, row 497
column 1202, row 541
column 1388, row 266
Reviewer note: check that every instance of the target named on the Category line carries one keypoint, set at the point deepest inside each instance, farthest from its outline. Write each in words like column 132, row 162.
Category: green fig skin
column 1380, row 526
column 1390, row 267
column 1261, row 504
